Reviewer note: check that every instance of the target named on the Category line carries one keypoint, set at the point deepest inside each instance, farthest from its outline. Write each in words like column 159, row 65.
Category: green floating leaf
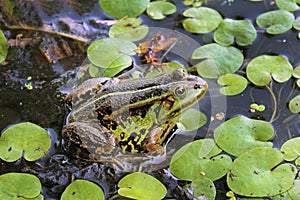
column 260, row 70
column 233, row 84
column 141, row 186
column 192, row 119
column 291, row 149
column 198, row 159
column 296, row 24
column 121, row 8
column 296, row 72
column 128, row 29
column 294, row 104
column 3, row 46
column 247, row 133
column 171, row 66
column 111, row 53
column 257, row 173
column 201, row 20
column 240, row 31
column 159, row 9
column 217, row 60
column 17, row 185
column 204, row 187
column 82, row 189
column 294, row 193
column 25, row 137
column 277, row 21
column 289, row 5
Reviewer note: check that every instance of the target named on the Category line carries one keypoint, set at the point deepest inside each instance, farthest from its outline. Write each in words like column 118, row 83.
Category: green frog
column 111, row 117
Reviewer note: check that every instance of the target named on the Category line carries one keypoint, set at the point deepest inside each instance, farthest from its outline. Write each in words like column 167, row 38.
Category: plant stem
column 274, row 103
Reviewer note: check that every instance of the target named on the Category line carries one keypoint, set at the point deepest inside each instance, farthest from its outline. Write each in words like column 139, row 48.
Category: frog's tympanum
column 112, row 116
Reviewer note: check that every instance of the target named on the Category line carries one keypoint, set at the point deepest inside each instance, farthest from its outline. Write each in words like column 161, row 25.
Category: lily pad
column 82, row 189
column 240, row 31
column 201, row 20
column 19, row 185
column 191, row 119
column 121, row 8
column 3, row 46
column 289, row 5
column 204, row 187
column 296, row 24
column 111, row 53
column 159, row 9
column 240, row 134
column 294, row 193
column 296, row 72
column 233, row 84
column 294, row 104
column 128, row 29
column 199, row 158
column 260, row 70
column 277, row 21
column 257, row 173
column 25, row 138
column 291, row 149
column 217, row 60
column 141, row 186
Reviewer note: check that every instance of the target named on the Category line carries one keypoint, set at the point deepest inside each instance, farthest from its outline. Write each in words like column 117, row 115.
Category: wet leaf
column 291, row 149
column 199, row 158
column 129, row 29
column 240, row 31
column 289, row 5
column 3, row 46
column 233, row 84
column 139, row 185
column 191, row 119
column 294, row 193
column 257, row 173
column 159, row 9
column 111, row 53
column 276, row 22
column 294, row 104
column 296, row 24
column 217, row 60
column 204, row 187
column 17, row 185
column 260, row 70
column 82, row 189
column 240, row 134
column 120, row 8
column 27, row 138
column 201, row 20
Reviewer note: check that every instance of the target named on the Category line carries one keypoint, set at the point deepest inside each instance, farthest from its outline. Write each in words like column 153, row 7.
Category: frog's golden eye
column 180, row 92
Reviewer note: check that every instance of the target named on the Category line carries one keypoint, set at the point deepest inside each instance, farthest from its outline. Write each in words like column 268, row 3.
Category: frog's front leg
column 88, row 141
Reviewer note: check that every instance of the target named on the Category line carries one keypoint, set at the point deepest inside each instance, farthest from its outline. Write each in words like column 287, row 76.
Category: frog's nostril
column 197, row 86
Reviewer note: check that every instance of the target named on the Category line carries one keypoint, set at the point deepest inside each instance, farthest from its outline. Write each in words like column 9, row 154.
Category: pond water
column 44, row 104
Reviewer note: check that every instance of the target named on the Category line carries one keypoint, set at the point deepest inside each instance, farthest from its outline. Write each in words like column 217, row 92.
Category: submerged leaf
column 233, row 84
column 217, row 60
column 159, row 9
column 201, row 20
column 260, row 70
column 277, row 21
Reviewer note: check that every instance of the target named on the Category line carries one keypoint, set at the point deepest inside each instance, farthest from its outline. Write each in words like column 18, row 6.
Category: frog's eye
column 180, row 92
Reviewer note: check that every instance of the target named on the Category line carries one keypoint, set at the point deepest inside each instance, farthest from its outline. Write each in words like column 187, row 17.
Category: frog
column 113, row 117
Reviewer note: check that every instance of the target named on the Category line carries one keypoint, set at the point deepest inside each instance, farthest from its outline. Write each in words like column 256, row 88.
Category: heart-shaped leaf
column 257, row 173
column 27, row 138
column 247, row 133
column 3, row 46
column 82, row 189
column 217, row 60
column 240, row 31
column 201, row 20
column 111, row 52
column 199, row 158
column 128, row 29
column 291, row 149
column 204, row 187
column 121, row 8
column 19, row 185
column 277, row 21
column 294, row 104
column 289, row 5
column 296, row 24
column 159, row 9
column 233, row 84
column 260, row 70
column 141, row 186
